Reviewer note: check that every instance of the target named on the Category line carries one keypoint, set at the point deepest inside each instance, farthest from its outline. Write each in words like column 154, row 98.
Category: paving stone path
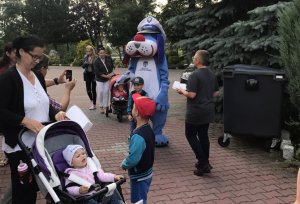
column 242, row 173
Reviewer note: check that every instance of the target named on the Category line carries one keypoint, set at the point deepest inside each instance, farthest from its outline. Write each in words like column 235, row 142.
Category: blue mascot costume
column 148, row 60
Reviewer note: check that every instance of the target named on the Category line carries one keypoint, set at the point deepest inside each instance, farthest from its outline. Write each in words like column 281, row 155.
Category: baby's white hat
column 69, row 152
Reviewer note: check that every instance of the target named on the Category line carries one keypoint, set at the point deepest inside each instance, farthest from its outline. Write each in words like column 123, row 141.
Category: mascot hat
column 151, row 25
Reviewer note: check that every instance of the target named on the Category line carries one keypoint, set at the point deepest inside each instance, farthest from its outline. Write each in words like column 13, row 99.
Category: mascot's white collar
column 151, row 25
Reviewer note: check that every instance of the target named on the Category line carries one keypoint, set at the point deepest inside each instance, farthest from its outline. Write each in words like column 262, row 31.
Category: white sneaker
column 93, row 107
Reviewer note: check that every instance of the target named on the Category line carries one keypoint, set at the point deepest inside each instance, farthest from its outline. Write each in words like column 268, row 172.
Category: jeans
column 103, row 90
column 197, row 136
column 139, row 190
column 90, row 85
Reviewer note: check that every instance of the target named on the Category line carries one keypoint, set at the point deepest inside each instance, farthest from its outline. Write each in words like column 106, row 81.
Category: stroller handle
column 103, row 190
column 20, row 141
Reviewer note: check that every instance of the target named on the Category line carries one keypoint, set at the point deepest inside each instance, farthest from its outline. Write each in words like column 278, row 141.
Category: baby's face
column 79, row 159
column 121, row 87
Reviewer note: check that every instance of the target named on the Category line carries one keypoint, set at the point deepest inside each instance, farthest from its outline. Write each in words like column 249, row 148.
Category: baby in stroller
column 76, row 157
column 52, row 161
column 119, row 97
column 119, row 93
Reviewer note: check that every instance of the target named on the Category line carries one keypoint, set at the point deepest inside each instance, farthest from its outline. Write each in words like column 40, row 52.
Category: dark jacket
column 100, row 69
column 12, row 104
column 144, row 167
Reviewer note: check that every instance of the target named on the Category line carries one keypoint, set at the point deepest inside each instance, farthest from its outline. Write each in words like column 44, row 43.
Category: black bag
column 84, row 76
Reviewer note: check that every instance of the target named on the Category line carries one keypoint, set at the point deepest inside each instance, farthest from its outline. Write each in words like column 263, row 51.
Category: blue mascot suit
column 148, row 60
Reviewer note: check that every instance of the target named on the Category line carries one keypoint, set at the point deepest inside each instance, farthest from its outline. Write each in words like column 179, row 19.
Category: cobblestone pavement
column 242, row 173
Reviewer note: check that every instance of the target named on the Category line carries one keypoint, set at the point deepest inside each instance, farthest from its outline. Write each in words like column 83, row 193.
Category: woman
column 24, row 103
column 103, row 68
column 8, row 59
column 89, row 76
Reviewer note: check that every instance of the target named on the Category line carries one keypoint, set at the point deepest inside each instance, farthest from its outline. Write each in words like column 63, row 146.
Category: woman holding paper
column 24, row 103
column 103, row 68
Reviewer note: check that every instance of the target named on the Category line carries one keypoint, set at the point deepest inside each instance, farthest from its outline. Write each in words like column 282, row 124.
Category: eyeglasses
column 35, row 57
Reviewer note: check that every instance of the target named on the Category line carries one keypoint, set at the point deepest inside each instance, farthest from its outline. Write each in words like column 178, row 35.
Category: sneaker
column 92, row 107
column 201, row 171
column 209, row 166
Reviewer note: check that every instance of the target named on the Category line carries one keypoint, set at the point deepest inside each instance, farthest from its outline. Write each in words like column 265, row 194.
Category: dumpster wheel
column 223, row 143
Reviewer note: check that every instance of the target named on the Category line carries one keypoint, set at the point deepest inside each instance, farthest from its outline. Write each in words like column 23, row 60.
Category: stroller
column 118, row 106
column 48, row 165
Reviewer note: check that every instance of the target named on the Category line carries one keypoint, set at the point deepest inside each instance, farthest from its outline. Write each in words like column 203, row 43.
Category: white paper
column 76, row 114
column 178, row 85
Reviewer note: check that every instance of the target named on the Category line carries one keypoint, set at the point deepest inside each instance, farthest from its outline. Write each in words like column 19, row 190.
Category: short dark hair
column 44, row 62
column 203, row 56
column 27, row 43
column 101, row 48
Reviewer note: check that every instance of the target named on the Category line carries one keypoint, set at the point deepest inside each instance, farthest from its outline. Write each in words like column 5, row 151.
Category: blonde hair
column 93, row 51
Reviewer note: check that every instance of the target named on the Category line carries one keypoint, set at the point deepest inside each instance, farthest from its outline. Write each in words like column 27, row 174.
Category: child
column 140, row 159
column 138, row 84
column 76, row 157
column 119, row 93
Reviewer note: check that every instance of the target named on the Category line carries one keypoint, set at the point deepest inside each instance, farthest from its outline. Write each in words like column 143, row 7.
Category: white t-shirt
column 36, row 106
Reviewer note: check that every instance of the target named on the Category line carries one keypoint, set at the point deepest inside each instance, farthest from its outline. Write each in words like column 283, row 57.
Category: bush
column 54, row 58
column 80, row 52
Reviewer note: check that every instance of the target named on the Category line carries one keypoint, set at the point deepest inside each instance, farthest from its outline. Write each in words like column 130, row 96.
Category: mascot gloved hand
column 148, row 60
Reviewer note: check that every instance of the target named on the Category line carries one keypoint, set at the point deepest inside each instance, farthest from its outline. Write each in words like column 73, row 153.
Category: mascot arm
column 129, row 74
column 161, row 100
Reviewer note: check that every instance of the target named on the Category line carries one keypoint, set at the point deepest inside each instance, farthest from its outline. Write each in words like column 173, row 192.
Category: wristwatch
column 56, row 81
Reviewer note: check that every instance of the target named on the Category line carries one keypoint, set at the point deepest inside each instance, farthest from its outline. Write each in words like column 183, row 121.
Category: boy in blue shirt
column 138, row 84
column 140, row 158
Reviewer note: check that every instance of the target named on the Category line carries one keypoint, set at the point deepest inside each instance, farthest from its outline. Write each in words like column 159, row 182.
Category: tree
column 12, row 23
column 289, row 38
column 202, row 27
column 48, row 19
column 88, row 17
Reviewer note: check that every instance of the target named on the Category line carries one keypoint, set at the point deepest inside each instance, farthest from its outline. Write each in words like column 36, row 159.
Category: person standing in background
column 89, row 76
column 8, row 59
column 104, row 71
column 202, row 86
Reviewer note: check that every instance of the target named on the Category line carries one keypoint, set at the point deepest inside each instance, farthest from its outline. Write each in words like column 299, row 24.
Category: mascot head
column 148, row 42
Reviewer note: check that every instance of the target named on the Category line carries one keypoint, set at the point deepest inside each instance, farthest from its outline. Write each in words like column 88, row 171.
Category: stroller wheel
column 120, row 117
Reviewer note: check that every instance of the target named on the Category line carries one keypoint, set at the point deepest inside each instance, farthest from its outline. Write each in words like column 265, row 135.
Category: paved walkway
column 242, row 172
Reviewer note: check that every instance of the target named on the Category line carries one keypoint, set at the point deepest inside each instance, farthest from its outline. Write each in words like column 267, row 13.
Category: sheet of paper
column 178, row 85
column 77, row 115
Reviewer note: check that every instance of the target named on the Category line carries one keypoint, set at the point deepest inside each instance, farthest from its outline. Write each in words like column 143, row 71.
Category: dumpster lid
column 253, row 69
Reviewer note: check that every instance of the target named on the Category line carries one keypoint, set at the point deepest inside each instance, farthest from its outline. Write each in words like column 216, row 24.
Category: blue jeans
column 139, row 190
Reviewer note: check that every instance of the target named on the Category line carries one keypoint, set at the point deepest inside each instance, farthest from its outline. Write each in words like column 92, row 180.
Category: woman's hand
column 83, row 190
column 33, row 125
column 61, row 115
column 118, row 177
column 61, row 78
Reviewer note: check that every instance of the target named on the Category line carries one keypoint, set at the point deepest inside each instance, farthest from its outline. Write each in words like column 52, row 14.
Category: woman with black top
column 89, row 76
column 104, row 71
column 24, row 103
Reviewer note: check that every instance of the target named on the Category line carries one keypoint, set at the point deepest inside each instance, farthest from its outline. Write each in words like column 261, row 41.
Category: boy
column 138, row 84
column 140, row 159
